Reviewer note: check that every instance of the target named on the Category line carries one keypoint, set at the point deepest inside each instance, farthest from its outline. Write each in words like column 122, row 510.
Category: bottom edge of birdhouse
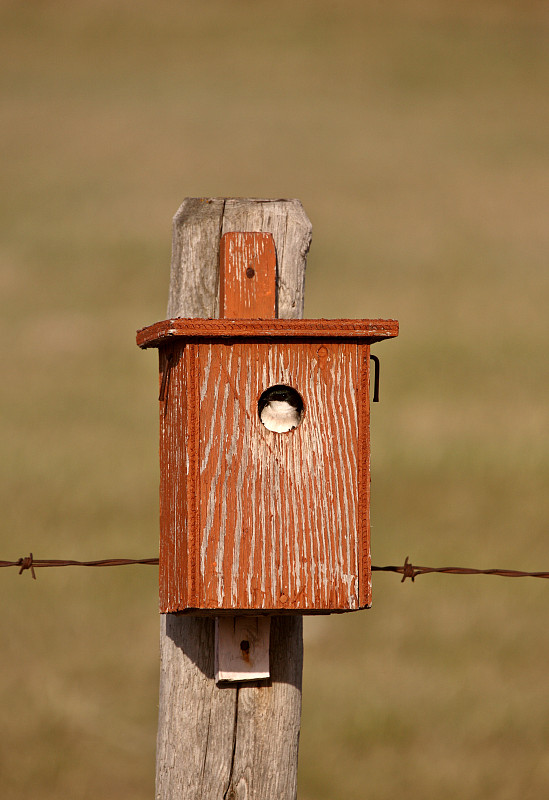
column 258, row 612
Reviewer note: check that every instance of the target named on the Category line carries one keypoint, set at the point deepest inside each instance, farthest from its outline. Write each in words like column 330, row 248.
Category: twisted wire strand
column 407, row 570
column 30, row 563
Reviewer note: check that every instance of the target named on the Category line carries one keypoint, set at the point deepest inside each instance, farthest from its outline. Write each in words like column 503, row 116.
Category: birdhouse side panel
column 365, row 559
column 177, row 568
column 280, row 520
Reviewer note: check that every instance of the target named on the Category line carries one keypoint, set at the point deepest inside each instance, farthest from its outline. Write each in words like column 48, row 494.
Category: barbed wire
column 407, row 570
column 29, row 562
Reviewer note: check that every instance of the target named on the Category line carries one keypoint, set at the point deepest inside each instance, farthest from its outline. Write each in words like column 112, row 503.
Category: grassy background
column 415, row 133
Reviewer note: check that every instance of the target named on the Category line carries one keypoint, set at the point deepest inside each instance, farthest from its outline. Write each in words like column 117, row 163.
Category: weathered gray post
column 240, row 741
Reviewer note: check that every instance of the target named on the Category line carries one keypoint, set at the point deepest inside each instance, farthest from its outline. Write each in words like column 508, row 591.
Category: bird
column 280, row 408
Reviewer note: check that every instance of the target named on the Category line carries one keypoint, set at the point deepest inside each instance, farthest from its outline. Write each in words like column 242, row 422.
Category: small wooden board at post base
column 241, row 648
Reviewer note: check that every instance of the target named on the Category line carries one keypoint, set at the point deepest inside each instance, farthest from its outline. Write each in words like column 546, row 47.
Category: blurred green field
column 416, row 135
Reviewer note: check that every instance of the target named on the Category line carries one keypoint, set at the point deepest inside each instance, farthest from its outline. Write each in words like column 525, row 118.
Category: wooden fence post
column 238, row 742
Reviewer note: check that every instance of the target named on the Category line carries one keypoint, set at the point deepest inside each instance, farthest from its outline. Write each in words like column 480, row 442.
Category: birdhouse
column 264, row 452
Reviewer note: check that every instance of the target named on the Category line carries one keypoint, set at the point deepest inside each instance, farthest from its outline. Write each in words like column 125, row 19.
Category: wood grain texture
column 268, row 722
column 229, row 743
column 197, row 228
column 279, row 513
column 194, row 278
column 196, row 720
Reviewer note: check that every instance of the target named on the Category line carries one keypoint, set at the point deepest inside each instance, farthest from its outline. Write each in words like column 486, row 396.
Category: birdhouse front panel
column 279, row 513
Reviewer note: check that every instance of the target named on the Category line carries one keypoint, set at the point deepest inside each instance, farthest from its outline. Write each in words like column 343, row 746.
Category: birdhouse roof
column 365, row 330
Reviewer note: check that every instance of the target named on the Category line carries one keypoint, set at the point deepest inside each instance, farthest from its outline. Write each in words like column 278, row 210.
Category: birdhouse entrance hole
column 280, row 408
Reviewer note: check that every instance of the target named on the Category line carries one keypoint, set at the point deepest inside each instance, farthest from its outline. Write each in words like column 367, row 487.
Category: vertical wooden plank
column 365, row 578
column 229, row 743
column 193, row 473
column 173, row 568
column 247, row 276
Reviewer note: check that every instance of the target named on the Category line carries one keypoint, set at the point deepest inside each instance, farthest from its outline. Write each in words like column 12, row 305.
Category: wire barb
column 27, row 563
column 408, row 571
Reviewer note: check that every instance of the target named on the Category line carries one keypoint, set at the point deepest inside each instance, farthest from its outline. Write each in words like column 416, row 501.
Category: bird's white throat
column 279, row 416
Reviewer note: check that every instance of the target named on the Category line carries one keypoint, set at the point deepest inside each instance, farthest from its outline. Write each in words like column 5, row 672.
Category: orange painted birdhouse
column 264, row 453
